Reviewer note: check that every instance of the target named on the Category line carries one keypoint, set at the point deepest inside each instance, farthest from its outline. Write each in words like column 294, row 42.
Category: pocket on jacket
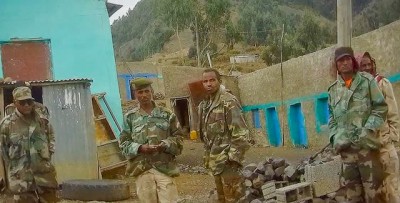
column 15, row 150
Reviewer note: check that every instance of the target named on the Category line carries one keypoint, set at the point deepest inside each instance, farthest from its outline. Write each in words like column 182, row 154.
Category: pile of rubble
column 271, row 169
column 192, row 169
column 276, row 180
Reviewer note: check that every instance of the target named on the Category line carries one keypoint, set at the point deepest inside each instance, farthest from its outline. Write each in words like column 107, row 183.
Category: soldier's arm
column 332, row 122
column 238, row 130
column 393, row 117
column 174, row 141
column 51, row 137
column 4, row 142
column 379, row 108
column 128, row 147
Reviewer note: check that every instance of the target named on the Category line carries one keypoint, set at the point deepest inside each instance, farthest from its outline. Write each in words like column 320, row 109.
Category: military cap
column 22, row 93
column 140, row 83
column 343, row 51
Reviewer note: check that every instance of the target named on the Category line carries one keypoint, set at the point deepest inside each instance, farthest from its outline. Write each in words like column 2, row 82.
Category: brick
column 324, row 177
column 294, row 193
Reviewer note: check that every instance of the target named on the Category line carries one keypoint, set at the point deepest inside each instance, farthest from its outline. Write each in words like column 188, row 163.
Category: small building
column 244, row 58
column 58, row 40
column 71, row 115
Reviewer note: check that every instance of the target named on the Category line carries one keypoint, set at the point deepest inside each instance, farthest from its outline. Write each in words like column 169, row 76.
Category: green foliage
column 232, row 35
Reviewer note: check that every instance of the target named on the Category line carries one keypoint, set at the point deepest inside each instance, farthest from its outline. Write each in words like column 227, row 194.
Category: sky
column 126, row 5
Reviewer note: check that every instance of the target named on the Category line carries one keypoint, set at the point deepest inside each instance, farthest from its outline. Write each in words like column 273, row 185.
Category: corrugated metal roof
column 51, row 82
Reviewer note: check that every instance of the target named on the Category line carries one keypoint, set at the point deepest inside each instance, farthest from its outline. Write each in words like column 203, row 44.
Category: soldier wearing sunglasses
column 27, row 145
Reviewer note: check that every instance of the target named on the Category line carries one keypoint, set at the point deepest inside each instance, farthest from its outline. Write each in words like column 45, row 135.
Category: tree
column 178, row 14
column 232, row 35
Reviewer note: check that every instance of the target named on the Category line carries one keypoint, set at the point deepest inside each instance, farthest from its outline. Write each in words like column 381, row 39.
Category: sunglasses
column 26, row 101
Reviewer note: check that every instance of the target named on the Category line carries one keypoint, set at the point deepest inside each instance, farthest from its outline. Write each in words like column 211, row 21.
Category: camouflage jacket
column 27, row 147
column 356, row 113
column 389, row 132
column 140, row 128
column 40, row 109
column 223, row 131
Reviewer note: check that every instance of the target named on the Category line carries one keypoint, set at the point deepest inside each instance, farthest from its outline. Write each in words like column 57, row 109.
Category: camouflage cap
column 140, row 83
column 22, row 93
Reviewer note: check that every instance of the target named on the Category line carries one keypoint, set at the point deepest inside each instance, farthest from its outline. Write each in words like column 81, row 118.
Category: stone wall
column 305, row 80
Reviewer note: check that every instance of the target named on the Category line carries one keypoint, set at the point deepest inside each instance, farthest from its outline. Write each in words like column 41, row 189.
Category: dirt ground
column 195, row 187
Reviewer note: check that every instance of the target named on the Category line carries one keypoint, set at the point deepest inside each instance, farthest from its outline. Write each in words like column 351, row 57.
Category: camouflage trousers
column 362, row 176
column 390, row 161
column 230, row 185
column 153, row 186
column 42, row 195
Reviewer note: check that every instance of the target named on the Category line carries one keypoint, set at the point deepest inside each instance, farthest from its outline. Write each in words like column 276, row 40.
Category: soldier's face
column 210, row 82
column 345, row 65
column 367, row 65
column 144, row 95
column 24, row 106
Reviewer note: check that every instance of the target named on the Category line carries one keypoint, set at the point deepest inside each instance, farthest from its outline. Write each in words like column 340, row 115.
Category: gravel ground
column 194, row 184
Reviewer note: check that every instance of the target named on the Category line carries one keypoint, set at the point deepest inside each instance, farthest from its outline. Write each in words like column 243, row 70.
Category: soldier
column 41, row 109
column 357, row 110
column 150, row 140
column 27, row 145
column 389, row 132
column 225, row 136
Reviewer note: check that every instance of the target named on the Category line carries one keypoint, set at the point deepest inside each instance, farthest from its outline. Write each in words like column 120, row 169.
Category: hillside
column 231, row 27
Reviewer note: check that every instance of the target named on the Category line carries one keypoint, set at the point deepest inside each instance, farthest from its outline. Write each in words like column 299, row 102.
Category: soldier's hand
column 161, row 147
column 341, row 147
column 148, row 149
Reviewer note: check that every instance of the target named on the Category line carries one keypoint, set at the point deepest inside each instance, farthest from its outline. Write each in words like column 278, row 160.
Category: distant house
column 57, row 40
column 244, row 58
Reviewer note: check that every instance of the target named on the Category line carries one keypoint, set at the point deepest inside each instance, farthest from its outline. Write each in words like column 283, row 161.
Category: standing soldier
column 357, row 110
column 389, row 132
column 150, row 140
column 27, row 144
column 225, row 136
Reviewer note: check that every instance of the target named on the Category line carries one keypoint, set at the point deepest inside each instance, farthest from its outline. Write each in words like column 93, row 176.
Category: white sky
column 126, row 5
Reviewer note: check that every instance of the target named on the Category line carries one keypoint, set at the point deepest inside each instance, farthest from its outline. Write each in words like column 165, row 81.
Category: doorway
column 181, row 110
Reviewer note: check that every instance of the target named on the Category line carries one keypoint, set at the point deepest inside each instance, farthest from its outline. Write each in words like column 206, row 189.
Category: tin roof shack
column 71, row 114
column 57, row 40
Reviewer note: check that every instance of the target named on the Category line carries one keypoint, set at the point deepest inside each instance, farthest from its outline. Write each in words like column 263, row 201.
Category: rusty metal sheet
column 26, row 60
column 197, row 92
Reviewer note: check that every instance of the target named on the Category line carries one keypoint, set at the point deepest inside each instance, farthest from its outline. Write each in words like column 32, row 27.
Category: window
column 321, row 113
column 273, row 127
column 256, row 118
column 298, row 133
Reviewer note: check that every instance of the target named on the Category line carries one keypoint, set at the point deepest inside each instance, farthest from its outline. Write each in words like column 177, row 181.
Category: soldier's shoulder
column 165, row 109
column 132, row 111
column 366, row 76
column 333, row 85
column 229, row 99
column 8, row 119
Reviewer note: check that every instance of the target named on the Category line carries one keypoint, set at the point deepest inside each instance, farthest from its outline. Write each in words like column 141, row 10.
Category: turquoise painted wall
column 296, row 117
column 80, row 39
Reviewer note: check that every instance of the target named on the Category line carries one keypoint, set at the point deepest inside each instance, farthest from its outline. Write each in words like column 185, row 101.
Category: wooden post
column 344, row 23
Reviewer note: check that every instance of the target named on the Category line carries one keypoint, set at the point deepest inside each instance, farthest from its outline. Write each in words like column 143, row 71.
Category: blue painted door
column 298, row 133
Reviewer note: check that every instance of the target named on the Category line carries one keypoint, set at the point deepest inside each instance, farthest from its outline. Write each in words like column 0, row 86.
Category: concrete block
column 324, row 177
column 294, row 193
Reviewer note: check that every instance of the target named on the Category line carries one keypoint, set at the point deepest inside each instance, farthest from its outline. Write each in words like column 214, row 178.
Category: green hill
column 238, row 26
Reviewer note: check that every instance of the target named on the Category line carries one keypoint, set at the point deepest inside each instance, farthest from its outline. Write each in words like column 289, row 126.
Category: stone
column 278, row 162
column 279, row 172
column 290, row 172
column 259, row 181
column 260, row 168
column 269, row 172
column 248, row 183
column 251, row 167
column 256, row 201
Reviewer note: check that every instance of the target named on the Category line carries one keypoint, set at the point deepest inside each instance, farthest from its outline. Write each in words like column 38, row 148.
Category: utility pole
column 344, row 23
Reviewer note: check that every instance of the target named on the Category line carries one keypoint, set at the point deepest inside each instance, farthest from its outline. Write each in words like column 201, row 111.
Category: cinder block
column 324, row 177
column 268, row 190
column 294, row 193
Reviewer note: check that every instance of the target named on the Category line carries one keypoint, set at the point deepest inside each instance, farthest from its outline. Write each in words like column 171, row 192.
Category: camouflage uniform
column 226, row 139
column 27, row 146
column 356, row 114
column 40, row 109
column 389, row 134
column 140, row 128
